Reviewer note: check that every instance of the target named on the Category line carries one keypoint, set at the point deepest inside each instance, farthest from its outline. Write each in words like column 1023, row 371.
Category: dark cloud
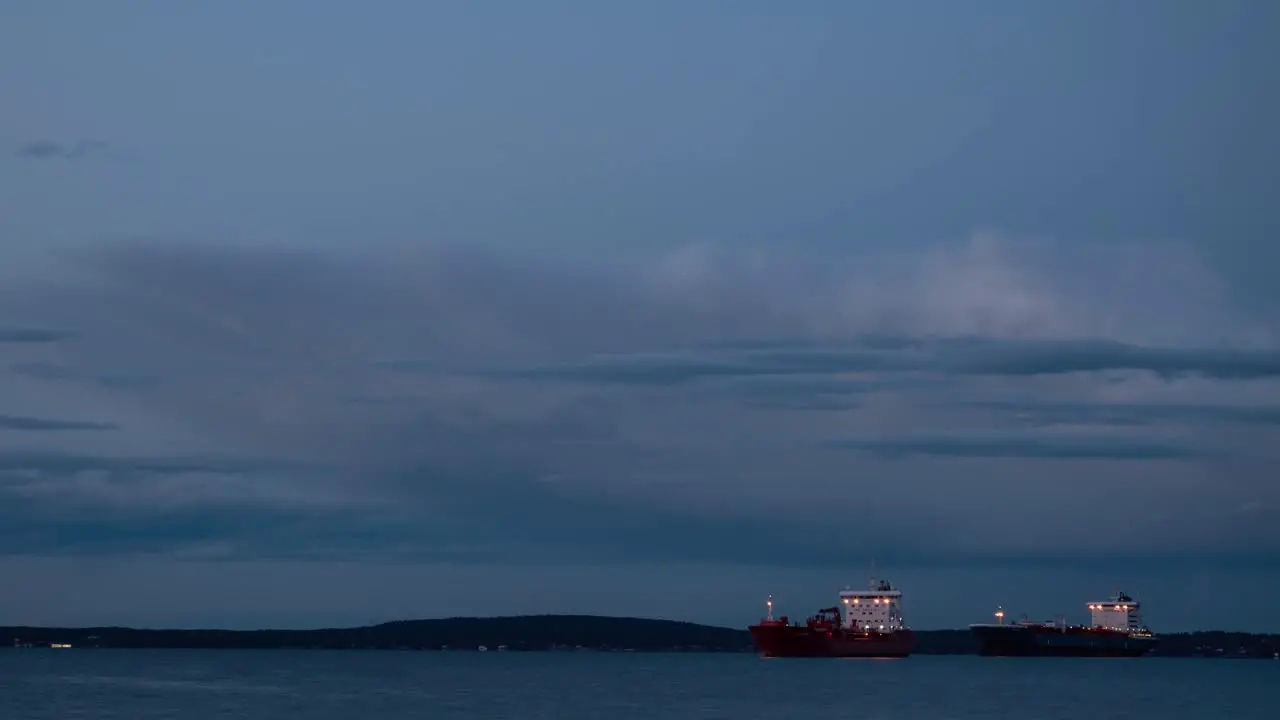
column 19, row 422
column 49, row 463
column 687, row 367
column 638, row 370
column 224, row 531
column 455, row 406
column 1046, row 357
column 43, row 370
column 964, row 356
column 815, row 401
column 32, row 335
column 814, row 392
column 1131, row 414
column 457, row 518
column 57, row 372
column 1010, row 446
column 48, row 149
column 228, row 530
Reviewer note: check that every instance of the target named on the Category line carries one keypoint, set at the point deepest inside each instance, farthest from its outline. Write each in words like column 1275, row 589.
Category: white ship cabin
column 1121, row 612
column 877, row 608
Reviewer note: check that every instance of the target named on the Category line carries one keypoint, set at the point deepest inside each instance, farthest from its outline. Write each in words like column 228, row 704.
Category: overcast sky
column 319, row 312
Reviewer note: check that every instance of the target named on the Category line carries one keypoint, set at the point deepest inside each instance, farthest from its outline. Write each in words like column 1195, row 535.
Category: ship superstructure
column 1121, row 612
column 1115, row 630
column 878, row 608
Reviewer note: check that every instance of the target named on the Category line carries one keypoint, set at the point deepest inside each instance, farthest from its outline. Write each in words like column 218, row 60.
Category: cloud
column 446, row 404
column 472, row 521
column 208, row 531
column 1043, row 357
column 18, row 422
column 969, row 356
column 48, row 149
column 1024, row 446
column 42, row 370
column 1067, row 413
column 59, row 463
column 32, row 335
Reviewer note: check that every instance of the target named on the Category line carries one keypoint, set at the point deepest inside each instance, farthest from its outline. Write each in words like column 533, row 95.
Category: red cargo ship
column 866, row 623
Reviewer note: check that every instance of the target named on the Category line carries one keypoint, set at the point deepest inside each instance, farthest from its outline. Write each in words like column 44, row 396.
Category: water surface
column 335, row 685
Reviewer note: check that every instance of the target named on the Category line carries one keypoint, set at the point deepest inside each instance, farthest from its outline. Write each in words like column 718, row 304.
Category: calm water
column 271, row 685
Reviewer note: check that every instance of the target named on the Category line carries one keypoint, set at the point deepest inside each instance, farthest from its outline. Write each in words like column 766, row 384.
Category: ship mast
column 769, row 604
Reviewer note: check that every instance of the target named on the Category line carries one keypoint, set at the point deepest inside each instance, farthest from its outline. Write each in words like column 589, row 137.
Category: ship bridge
column 1121, row 612
column 877, row 608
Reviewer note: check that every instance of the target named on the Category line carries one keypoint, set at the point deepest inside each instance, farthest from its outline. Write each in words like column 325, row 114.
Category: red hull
column 782, row 640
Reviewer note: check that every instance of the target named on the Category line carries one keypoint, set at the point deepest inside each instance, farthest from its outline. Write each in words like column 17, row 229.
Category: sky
column 320, row 313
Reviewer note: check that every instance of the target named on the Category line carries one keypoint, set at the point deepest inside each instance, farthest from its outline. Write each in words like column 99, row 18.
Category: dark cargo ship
column 1116, row 631
column 869, row 626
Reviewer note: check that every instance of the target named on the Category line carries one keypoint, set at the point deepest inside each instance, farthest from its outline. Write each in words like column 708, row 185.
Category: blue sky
column 323, row 312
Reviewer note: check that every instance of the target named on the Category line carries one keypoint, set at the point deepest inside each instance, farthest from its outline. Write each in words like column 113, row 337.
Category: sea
column 74, row 684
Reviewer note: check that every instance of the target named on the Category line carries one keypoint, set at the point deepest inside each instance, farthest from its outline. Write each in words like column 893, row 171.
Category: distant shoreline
column 542, row 633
